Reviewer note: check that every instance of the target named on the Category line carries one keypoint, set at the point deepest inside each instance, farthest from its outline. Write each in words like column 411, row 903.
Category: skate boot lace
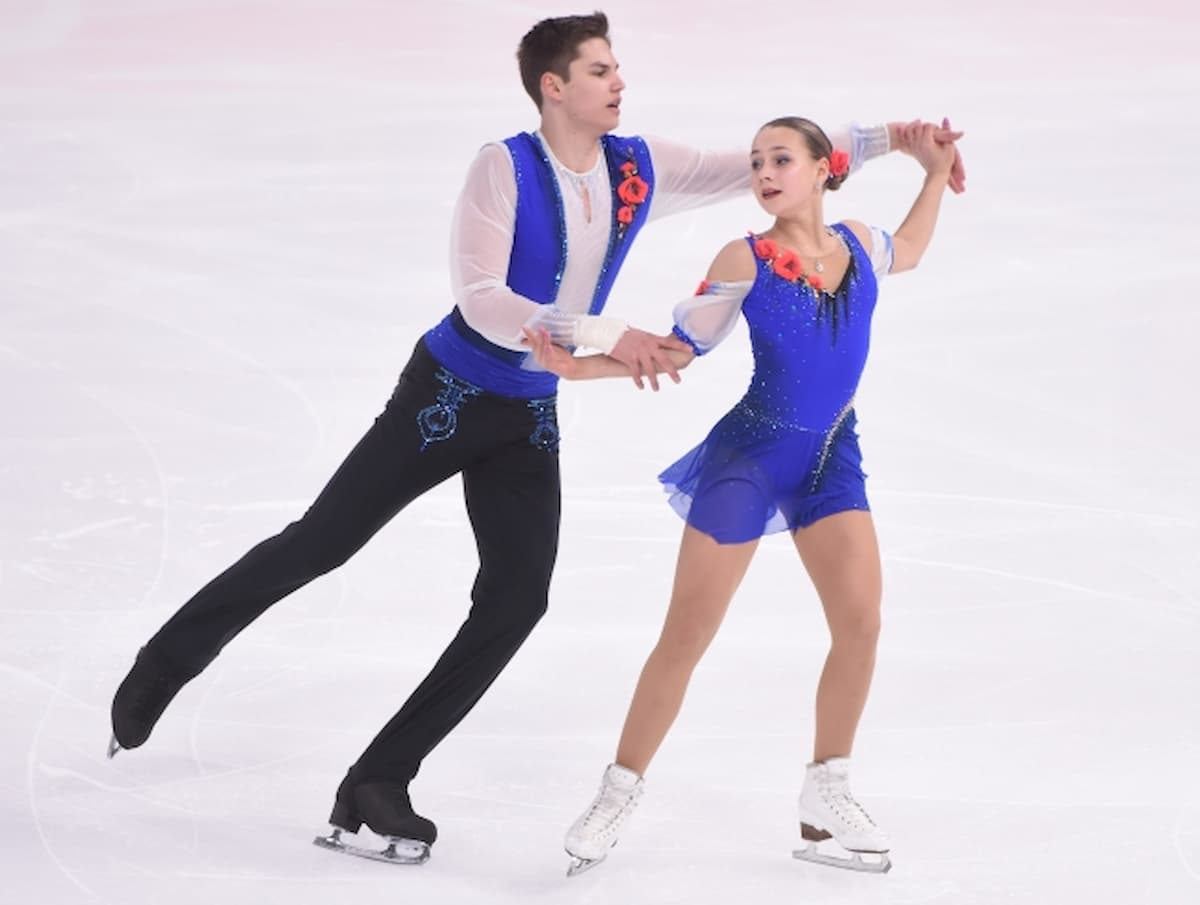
column 837, row 796
column 609, row 810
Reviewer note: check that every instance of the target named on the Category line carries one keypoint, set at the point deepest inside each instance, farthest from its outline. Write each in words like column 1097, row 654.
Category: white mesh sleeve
column 705, row 320
column 686, row 178
column 481, row 238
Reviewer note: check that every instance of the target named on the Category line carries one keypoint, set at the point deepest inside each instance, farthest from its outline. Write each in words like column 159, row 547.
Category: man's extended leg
column 385, row 471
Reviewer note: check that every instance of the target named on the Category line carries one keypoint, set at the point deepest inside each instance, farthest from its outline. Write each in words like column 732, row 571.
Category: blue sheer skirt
column 753, row 476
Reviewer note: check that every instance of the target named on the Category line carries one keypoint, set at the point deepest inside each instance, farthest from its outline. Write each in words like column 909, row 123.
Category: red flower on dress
column 839, row 163
column 785, row 263
column 628, row 168
column 765, row 249
column 703, row 287
column 788, row 265
column 625, row 214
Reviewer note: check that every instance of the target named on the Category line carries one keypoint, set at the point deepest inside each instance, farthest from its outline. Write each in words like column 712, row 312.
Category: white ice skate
column 828, row 811
column 598, row 828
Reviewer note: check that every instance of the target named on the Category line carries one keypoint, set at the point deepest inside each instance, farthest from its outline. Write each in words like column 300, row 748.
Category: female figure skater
column 786, row 457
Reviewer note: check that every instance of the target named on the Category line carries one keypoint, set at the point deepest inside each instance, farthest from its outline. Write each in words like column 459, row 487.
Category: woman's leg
column 706, row 576
column 841, row 554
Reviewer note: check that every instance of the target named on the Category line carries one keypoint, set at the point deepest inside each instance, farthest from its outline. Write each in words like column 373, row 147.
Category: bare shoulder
column 734, row 263
column 861, row 231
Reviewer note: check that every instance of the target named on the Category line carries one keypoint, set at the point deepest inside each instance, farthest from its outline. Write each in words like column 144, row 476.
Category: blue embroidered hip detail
column 545, row 431
column 440, row 420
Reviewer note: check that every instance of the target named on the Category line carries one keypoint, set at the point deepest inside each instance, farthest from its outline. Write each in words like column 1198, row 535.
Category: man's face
column 591, row 97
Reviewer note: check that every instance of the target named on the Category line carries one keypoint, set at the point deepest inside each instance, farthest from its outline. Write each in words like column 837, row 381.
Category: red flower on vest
column 632, row 191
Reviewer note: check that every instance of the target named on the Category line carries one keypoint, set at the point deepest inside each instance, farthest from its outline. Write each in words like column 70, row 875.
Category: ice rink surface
column 223, row 225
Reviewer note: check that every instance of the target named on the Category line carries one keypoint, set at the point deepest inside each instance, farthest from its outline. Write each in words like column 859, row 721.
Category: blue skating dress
column 787, row 453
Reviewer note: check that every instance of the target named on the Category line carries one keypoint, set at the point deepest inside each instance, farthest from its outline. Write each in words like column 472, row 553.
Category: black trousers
column 434, row 426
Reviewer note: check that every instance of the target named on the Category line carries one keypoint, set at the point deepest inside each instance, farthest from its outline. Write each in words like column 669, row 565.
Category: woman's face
column 784, row 172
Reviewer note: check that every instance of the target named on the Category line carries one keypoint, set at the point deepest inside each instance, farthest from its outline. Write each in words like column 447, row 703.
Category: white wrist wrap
column 596, row 332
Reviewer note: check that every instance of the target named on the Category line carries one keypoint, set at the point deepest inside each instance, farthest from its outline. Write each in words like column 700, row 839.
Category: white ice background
column 223, row 225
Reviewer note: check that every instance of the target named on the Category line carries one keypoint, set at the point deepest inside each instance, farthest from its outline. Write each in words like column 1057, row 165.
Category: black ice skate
column 387, row 811
column 141, row 699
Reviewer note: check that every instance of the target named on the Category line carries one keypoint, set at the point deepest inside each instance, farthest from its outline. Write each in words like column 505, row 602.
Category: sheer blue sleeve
column 705, row 319
column 881, row 251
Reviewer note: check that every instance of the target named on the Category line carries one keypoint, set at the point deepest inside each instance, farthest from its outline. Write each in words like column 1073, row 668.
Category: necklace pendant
column 819, row 267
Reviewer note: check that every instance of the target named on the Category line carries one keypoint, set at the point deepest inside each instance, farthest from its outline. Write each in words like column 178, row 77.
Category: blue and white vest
column 539, row 257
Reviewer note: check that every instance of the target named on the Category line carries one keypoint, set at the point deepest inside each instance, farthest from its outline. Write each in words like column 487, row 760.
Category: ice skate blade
column 398, row 851
column 113, row 747
column 855, row 861
column 581, row 865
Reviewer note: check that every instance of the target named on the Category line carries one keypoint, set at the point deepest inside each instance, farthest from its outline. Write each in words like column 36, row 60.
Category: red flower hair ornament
column 839, row 163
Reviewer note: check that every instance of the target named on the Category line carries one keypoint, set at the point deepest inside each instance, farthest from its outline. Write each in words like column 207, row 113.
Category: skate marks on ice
column 398, row 851
column 872, row 863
